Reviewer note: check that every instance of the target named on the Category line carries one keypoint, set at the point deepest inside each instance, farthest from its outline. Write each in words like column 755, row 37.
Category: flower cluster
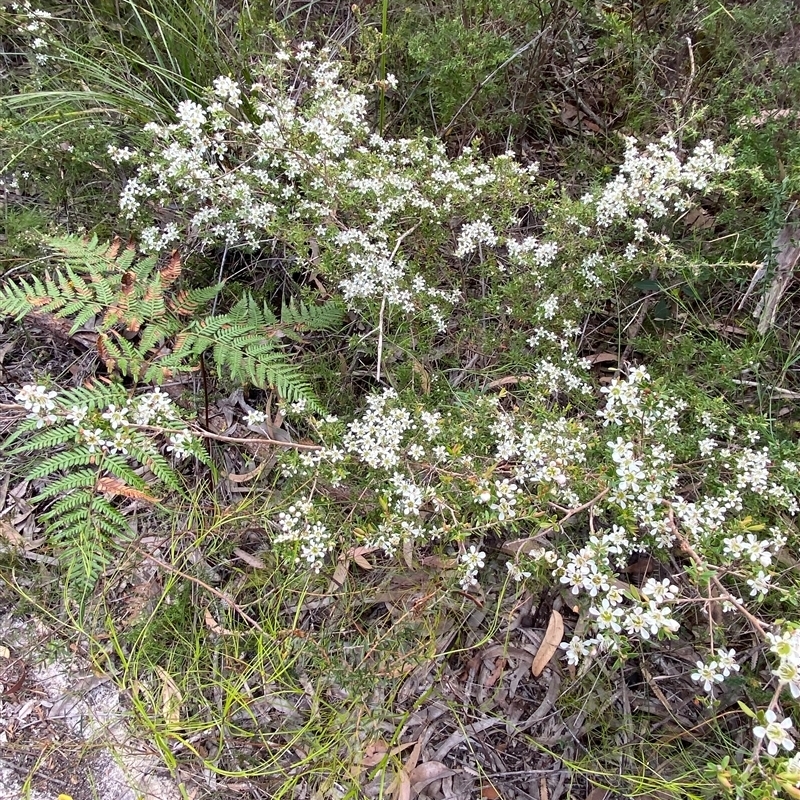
column 717, row 670
column 471, row 562
column 39, row 402
column 306, row 171
column 300, row 525
column 654, row 181
column 108, row 429
column 377, row 438
column 34, row 26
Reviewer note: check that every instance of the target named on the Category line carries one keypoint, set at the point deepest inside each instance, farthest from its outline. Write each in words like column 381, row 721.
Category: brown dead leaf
column 10, row 534
column 699, row 219
column 602, row 358
column 656, row 690
column 214, row 626
column 361, row 561
column 246, row 476
column 787, row 256
column 115, row 486
column 408, row 553
column 171, row 697
column 425, row 774
column 254, row 561
column 510, row 380
column 723, row 328
column 575, row 118
column 549, row 646
column 374, row 753
column 498, row 670
column 597, row 794
column 413, row 758
column 339, row 575
column 437, row 562
column 402, row 786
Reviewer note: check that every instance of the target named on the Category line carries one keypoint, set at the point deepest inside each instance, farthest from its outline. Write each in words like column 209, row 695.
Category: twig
column 380, row 339
column 516, row 546
column 227, row 599
column 787, row 393
column 687, row 91
column 383, row 301
column 20, row 770
column 638, row 320
column 759, row 626
column 255, row 440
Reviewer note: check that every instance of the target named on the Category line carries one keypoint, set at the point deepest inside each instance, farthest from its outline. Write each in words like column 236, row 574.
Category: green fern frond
column 120, row 468
column 84, row 534
column 62, row 507
column 328, row 316
column 99, row 395
column 63, row 461
column 245, row 350
column 83, row 479
column 45, row 439
column 151, row 337
column 23, row 426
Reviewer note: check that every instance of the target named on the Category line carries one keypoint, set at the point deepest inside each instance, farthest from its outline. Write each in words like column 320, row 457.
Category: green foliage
column 88, row 448
column 511, row 347
column 138, row 311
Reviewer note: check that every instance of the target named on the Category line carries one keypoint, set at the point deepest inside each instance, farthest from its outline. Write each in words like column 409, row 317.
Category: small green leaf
column 747, row 710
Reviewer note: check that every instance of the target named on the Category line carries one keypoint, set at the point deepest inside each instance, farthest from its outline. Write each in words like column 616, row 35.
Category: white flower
column 777, row 733
column 116, row 417
column 228, row 90
column 659, row 590
column 576, row 649
column 515, row 571
column 77, row 414
column 180, row 444
column 707, row 446
column 36, row 399
column 607, row 616
column 760, row 584
column 473, row 559
column 726, row 661
column 708, row 675
column 298, row 406
column 255, row 417
column 416, row 452
column 789, row 673
column 473, row 234
column 191, row 116
column 93, row 439
column 121, row 442
column 153, row 407
column 793, row 769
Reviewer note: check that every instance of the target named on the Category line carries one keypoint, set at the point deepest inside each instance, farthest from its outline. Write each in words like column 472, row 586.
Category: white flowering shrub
column 570, row 483
column 33, row 26
column 575, row 501
column 291, row 159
